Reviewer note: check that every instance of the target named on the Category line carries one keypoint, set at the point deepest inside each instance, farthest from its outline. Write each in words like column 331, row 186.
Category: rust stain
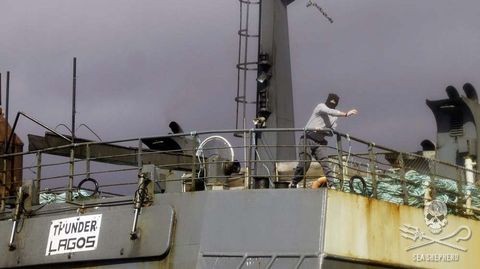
column 378, row 225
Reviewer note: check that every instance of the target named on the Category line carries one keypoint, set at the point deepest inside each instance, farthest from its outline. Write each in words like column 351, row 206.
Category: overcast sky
column 143, row 63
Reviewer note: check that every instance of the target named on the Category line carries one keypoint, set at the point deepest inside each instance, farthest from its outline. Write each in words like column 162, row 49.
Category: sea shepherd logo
column 435, row 215
column 74, row 234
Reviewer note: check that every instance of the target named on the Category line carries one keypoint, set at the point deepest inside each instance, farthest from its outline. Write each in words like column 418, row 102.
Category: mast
column 274, row 80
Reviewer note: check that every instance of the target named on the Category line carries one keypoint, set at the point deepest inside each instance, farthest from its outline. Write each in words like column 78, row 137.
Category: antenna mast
column 74, row 93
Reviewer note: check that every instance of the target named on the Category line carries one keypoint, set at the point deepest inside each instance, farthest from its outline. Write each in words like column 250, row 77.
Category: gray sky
column 143, row 63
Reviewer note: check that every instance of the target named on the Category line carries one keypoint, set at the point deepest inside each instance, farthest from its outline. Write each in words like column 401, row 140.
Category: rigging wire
column 322, row 11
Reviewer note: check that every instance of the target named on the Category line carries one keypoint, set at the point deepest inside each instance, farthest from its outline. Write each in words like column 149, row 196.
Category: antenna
column 74, row 90
column 324, row 13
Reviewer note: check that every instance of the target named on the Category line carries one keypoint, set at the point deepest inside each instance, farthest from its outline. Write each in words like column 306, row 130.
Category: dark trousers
column 317, row 149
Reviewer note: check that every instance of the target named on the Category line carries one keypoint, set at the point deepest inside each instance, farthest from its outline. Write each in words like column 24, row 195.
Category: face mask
column 332, row 101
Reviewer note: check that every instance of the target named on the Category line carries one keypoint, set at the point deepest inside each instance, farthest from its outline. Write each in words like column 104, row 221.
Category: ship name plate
column 73, row 234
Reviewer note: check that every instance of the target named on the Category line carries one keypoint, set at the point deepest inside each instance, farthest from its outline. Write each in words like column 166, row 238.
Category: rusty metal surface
column 368, row 230
column 256, row 227
column 11, row 174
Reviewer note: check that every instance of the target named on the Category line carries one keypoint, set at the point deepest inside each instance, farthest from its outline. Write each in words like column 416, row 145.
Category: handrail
column 12, row 133
column 371, row 164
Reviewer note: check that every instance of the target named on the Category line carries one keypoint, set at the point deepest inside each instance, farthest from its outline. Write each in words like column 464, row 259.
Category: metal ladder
column 247, row 61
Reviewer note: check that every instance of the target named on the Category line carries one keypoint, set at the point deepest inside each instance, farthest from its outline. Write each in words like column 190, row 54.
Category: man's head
column 332, row 100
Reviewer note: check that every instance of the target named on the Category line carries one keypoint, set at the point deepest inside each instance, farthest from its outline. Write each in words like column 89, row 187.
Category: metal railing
column 359, row 166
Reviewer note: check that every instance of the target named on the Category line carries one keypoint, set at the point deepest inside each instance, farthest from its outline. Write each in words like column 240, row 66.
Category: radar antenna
column 324, row 13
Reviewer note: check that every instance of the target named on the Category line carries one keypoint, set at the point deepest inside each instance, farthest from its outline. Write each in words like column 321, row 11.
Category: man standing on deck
column 320, row 124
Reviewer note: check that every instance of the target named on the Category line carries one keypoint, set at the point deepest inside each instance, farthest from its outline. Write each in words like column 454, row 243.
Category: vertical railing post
column 429, row 192
column 139, row 156
column 470, row 181
column 246, row 183
column 340, row 160
column 427, row 196
column 468, row 204
column 87, row 160
column 401, row 162
column 433, row 181
column 69, row 194
column 373, row 172
column 461, row 195
column 254, row 151
column 194, row 165
column 304, row 157
column 37, row 181
column 249, row 160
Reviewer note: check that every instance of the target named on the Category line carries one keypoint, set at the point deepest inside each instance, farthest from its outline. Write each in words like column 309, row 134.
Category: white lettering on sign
column 431, row 257
column 73, row 234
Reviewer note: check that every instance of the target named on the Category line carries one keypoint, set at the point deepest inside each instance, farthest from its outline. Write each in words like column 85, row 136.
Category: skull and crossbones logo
column 436, row 216
column 436, row 219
